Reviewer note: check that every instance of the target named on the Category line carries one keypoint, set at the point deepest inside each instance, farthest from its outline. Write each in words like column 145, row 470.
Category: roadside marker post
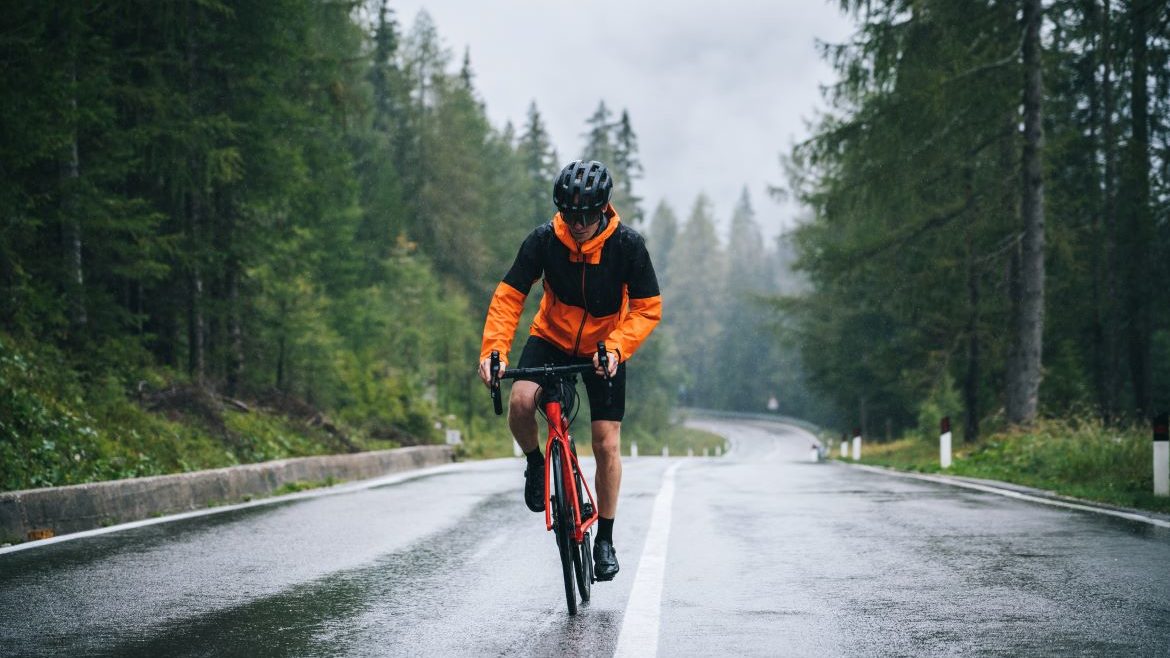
column 1161, row 456
column 665, row 451
column 516, row 450
column 856, row 444
column 633, row 450
column 690, row 452
column 844, row 446
column 944, row 443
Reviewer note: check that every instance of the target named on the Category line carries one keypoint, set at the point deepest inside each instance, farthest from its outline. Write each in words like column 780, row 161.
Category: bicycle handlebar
column 498, row 375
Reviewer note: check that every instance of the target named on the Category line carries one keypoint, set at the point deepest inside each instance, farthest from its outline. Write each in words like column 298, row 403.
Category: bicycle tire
column 583, row 552
column 562, row 525
column 584, row 567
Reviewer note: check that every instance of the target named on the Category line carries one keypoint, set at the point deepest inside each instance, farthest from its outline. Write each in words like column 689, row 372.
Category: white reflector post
column 516, row 450
column 856, row 444
column 633, row 450
column 1161, row 457
column 944, row 443
column 844, row 448
column 665, row 451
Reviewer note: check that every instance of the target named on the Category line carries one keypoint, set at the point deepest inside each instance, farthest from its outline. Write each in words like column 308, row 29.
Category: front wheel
column 583, row 565
column 562, row 524
column 583, row 552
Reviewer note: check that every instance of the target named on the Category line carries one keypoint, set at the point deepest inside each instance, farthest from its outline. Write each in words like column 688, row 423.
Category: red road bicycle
column 569, row 510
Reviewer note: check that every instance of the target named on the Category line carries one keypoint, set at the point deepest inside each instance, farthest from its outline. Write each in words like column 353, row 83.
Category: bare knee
column 522, row 402
column 607, row 439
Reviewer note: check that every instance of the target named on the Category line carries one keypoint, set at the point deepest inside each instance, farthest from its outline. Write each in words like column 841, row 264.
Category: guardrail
column 694, row 412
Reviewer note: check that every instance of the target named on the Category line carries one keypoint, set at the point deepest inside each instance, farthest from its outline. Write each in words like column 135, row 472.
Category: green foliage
column 1078, row 457
column 913, row 176
column 303, row 485
column 943, row 402
column 56, row 428
column 287, row 203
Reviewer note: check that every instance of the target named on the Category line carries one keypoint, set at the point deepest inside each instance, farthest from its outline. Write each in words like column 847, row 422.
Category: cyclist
column 599, row 285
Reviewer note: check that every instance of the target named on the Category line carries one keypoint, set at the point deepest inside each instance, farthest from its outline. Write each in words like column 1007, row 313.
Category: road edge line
column 640, row 624
column 1083, row 507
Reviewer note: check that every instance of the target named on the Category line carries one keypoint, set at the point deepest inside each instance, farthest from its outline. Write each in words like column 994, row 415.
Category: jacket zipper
column 584, row 304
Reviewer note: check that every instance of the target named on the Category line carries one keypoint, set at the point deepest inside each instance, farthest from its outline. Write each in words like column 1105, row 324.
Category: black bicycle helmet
column 582, row 186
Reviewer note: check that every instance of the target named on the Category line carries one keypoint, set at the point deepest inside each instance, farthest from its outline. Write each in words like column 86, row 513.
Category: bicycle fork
column 569, row 466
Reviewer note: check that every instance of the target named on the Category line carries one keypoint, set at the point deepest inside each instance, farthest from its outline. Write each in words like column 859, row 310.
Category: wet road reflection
column 768, row 555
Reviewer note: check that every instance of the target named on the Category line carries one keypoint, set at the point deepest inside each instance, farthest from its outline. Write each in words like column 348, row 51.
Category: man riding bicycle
column 599, row 285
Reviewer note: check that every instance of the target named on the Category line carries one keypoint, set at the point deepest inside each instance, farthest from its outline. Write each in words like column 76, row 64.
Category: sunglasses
column 581, row 219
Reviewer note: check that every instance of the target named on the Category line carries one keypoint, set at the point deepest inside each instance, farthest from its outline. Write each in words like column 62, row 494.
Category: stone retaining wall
column 61, row 510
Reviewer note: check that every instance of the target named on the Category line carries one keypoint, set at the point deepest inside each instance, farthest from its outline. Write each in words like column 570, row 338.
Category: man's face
column 582, row 225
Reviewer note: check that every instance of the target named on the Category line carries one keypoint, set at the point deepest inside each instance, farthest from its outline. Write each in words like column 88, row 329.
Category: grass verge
column 1079, row 458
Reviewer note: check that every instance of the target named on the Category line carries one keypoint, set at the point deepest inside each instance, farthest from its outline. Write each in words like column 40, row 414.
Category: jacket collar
column 590, row 250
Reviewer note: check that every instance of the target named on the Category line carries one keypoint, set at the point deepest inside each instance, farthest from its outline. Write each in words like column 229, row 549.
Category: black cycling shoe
column 605, row 563
column 534, row 488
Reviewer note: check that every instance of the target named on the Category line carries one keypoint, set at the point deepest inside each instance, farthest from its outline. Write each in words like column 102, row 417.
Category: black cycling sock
column 604, row 529
column 534, row 457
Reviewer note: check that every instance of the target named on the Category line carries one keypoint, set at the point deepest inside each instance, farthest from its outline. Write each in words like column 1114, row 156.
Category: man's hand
column 485, row 370
column 613, row 364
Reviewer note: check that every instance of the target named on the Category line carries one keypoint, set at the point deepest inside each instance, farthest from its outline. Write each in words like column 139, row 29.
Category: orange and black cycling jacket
column 603, row 289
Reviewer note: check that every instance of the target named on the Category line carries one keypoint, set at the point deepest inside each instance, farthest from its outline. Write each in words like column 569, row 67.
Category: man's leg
column 522, row 422
column 607, row 441
column 522, row 414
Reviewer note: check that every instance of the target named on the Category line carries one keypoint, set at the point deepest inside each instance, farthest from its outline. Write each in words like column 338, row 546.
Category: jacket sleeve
column 645, row 306
column 508, row 300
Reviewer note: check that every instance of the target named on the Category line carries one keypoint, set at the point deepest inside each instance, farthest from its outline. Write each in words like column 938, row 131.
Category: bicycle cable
column 569, row 398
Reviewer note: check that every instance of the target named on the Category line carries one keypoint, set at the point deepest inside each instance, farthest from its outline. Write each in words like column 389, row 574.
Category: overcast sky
column 716, row 90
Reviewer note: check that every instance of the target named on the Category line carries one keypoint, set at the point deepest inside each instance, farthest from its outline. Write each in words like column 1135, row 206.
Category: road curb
column 1021, row 492
column 60, row 510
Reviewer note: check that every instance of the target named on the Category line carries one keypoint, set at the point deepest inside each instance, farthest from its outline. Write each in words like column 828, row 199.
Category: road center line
column 639, row 634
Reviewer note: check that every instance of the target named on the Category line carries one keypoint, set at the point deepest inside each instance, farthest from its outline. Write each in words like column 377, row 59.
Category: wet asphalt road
column 767, row 554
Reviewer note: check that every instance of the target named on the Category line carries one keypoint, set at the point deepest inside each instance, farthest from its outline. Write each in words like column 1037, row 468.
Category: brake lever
column 497, row 403
column 603, row 361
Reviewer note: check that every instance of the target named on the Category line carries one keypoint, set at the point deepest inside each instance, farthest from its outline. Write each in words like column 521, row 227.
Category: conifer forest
column 234, row 230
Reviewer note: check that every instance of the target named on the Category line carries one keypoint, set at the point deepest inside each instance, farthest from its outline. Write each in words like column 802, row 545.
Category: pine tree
column 626, row 168
column 540, row 167
column 599, row 142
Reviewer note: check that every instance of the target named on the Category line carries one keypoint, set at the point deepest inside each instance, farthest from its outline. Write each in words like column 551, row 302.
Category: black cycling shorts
column 539, row 352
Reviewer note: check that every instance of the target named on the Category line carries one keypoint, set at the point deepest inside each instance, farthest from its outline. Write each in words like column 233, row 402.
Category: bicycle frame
column 558, row 432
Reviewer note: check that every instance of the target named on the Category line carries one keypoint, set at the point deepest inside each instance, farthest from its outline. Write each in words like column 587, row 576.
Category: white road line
column 639, row 634
column 315, row 493
column 1020, row 496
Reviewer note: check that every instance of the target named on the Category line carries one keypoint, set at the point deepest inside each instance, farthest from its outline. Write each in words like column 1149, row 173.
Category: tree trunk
column 235, row 364
column 1024, row 369
column 70, row 179
column 971, row 378
column 196, row 328
column 1139, row 230
column 1111, row 394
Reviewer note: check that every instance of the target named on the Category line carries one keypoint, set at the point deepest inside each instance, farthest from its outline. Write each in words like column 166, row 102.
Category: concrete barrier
column 61, row 510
